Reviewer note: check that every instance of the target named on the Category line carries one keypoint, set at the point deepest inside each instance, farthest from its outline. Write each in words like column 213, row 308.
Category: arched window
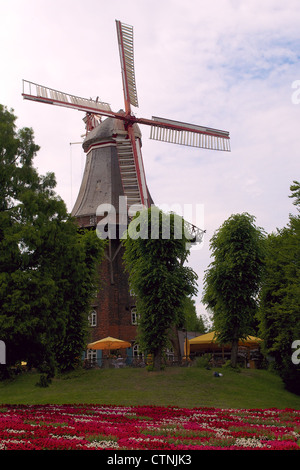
column 93, row 318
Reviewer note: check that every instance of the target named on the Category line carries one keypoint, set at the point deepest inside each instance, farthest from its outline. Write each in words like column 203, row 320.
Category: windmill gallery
column 111, row 227
column 114, row 169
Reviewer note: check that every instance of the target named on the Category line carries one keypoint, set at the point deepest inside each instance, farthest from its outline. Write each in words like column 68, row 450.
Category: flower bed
column 68, row 427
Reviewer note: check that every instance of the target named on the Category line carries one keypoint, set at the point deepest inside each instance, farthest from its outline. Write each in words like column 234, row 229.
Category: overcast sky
column 227, row 64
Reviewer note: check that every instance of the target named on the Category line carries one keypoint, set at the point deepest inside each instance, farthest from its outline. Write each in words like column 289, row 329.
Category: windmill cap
column 108, row 130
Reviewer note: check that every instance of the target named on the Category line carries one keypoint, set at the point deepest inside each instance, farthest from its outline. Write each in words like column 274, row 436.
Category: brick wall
column 113, row 303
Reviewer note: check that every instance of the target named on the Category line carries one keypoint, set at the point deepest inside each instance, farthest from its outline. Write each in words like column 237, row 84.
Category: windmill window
column 134, row 316
column 93, row 318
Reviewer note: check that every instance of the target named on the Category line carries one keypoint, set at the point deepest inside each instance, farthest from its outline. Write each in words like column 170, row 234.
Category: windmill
column 114, row 162
column 130, row 157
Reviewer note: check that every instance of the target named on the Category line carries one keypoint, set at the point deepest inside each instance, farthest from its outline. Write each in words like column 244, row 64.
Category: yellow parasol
column 109, row 343
column 210, row 340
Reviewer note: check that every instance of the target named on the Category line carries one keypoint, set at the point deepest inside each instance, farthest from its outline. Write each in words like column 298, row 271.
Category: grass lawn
column 179, row 386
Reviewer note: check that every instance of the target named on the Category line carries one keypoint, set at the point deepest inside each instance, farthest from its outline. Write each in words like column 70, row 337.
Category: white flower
column 103, row 444
column 248, row 442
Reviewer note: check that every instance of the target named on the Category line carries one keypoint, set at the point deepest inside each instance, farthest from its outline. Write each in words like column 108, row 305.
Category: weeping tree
column 233, row 279
column 156, row 247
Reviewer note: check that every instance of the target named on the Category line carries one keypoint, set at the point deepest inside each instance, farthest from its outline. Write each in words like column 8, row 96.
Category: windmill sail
column 182, row 133
column 125, row 40
column 33, row 91
column 132, row 172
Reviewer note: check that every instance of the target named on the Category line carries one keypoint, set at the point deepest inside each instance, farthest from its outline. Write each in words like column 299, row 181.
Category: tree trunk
column 234, row 352
column 157, row 359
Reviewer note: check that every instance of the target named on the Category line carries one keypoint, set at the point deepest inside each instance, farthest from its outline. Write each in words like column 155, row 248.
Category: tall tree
column 154, row 256
column 279, row 319
column 232, row 281
column 47, row 268
column 192, row 321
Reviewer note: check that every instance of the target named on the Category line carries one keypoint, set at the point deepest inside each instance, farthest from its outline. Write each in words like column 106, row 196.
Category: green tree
column 154, row 257
column 47, row 268
column 279, row 320
column 232, row 281
column 192, row 321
